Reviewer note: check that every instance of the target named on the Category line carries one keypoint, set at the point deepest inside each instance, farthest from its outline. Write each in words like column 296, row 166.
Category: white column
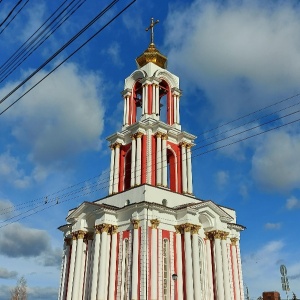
column 235, row 270
column 184, row 173
column 196, row 263
column 188, row 262
column 125, row 109
column 112, row 166
column 135, row 260
column 164, row 161
column 177, row 110
column 189, row 170
column 133, row 158
column 72, row 265
column 102, row 265
column 157, row 100
column 108, row 261
column 146, row 98
column 139, row 158
column 153, row 99
column 154, row 271
column 63, row 286
column 113, row 265
column 210, row 292
column 149, row 157
column 95, row 263
column 225, row 265
column 117, row 164
column 218, row 266
column 239, row 262
column 158, row 159
column 88, row 269
column 143, row 100
column 82, row 272
column 179, row 281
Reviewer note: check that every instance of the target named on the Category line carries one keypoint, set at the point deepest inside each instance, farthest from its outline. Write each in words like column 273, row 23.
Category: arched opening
column 164, row 94
column 172, row 175
column 138, row 100
column 166, row 269
column 127, row 170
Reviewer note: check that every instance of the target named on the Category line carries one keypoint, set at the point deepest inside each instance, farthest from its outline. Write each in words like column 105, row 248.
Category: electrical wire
column 40, row 39
column 58, row 52
column 14, row 17
column 9, row 14
column 88, row 190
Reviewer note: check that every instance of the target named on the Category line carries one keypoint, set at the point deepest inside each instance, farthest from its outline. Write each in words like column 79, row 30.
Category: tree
column 20, row 291
column 294, row 297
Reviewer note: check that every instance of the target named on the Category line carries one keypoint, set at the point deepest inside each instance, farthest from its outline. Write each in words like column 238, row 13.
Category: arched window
column 171, row 173
column 166, row 269
column 138, row 101
column 164, row 101
column 127, row 170
column 125, row 271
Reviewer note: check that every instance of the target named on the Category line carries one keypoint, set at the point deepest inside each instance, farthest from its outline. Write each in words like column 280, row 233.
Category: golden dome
column 151, row 54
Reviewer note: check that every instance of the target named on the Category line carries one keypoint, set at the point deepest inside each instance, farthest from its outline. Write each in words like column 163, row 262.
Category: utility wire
column 15, row 53
column 57, row 53
column 13, row 17
column 69, row 56
column 40, row 39
column 4, row 211
column 9, row 14
column 88, row 190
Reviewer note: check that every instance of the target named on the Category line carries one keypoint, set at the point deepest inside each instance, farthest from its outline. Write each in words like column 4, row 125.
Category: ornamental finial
column 152, row 24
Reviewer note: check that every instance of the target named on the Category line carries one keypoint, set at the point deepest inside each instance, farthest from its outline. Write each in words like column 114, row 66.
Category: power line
column 9, row 14
column 58, row 52
column 40, row 39
column 14, row 17
column 89, row 191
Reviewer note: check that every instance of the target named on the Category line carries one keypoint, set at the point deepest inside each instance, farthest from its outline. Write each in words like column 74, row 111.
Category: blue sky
column 232, row 58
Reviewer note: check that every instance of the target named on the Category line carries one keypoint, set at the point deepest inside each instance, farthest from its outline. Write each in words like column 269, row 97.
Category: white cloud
column 114, row 52
column 6, row 209
column 260, row 268
column 275, row 163
column 292, row 203
column 60, row 118
column 272, row 226
column 11, row 171
column 222, row 178
column 20, row 241
column 236, row 52
column 6, row 274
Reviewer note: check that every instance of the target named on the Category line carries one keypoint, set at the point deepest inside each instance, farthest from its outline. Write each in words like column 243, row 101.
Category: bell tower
column 151, row 148
column 151, row 238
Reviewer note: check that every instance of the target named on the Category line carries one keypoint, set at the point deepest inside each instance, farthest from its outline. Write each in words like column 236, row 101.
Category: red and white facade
column 151, row 238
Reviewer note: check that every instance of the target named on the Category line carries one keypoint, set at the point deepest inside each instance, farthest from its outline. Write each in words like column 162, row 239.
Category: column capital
column 105, row 227
column 154, row 223
column 189, row 146
column 81, row 234
column 164, row 136
column 114, row 229
column 68, row 241
column 187, row 227
column 97, row 229
column 135, row 223
column 158, row 134
column 139, row 135
column 178, row 229
column 183, row 144
column 74, row 236
column 118, row 145
column 217, row 234
column 195, row 229
column 234, row 241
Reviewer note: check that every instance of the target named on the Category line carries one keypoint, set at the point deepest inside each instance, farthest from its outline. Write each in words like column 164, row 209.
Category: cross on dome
column 151, row 27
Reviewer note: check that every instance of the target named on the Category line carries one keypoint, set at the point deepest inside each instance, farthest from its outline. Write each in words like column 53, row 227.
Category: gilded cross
column 152, row 24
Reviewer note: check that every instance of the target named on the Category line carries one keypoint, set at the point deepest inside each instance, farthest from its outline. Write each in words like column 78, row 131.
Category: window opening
column 127, row 170
column 163, row 101
column 138, row 100
column 166, row 270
